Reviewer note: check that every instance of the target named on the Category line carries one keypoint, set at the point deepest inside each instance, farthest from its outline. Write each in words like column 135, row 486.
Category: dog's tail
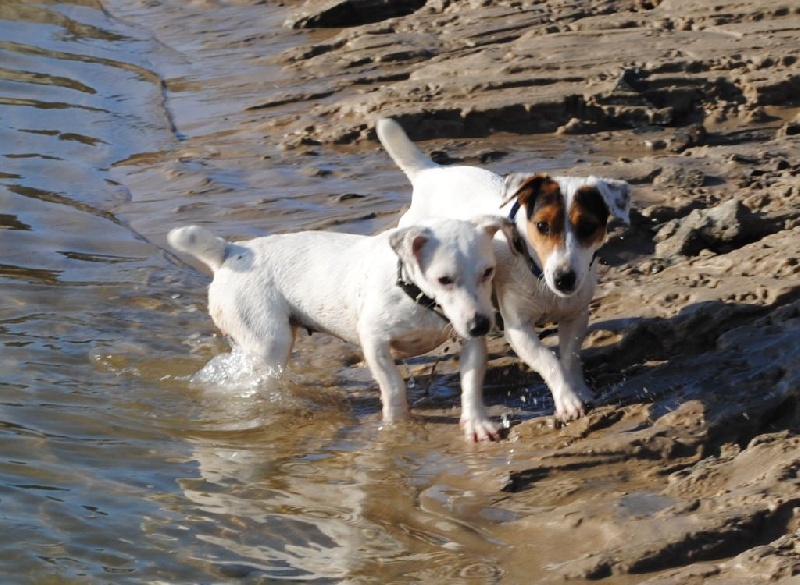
column 408, row 157
column 200, row 243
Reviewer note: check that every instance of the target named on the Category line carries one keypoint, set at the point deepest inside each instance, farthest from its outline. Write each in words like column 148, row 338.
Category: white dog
column 560, row 224
column 401, row 292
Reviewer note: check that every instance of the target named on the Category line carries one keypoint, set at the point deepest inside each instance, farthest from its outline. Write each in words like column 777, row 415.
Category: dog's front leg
column 393, row 389
column 571, row 333
column 525, row 342
column 474, row 421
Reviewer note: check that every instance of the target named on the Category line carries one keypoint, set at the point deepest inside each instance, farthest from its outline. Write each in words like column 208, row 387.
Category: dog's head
column 566, row 221
column 453, row 262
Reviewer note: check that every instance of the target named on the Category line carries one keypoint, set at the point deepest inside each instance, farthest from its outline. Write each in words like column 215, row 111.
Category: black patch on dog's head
column 591, row 200
column 537, row 192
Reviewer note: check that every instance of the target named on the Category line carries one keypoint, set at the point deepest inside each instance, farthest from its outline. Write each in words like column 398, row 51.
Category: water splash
column 237, row 372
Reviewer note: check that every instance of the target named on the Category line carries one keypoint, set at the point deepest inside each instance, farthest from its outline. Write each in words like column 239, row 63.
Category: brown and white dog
column 560, row 222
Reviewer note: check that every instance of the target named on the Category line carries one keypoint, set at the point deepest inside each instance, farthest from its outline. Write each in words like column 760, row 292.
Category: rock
column 634, row 172
column 657, row 144
column 577, row 126
column 791, row 128
column 348, row 196
column 767, row 90
column 348, row 13
column 685, row 138
column 718, row 229
column 490, row 156
column 440, row 157
column 680, row 177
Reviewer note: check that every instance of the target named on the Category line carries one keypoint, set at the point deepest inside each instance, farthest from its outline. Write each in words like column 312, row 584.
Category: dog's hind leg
column 276, row 347
column 271, row 342
column 378, row 355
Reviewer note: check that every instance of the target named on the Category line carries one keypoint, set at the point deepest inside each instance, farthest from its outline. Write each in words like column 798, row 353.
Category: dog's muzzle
column 565, row 281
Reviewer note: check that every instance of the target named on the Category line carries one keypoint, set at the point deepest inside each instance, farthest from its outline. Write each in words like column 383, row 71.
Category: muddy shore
column 695, row 341
column 687, row 470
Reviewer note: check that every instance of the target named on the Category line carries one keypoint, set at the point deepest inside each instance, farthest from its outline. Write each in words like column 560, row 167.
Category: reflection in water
column 317, row 502
column 288, row 486
column 298, row 516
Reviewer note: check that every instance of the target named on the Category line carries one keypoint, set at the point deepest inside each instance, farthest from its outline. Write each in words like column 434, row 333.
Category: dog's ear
column 495, row 223
column 408, row 242
column 524, row 187
column 617, row 197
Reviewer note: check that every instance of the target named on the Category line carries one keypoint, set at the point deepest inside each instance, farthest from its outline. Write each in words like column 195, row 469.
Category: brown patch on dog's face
column 544, row 207
column 588, row 216
column 530, row 191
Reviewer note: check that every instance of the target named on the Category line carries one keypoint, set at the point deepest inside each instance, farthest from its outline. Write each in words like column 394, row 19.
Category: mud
column 687, row 469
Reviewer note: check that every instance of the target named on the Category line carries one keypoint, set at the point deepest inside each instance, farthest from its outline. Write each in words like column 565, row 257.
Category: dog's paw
column 571, row 405
column 479, row 429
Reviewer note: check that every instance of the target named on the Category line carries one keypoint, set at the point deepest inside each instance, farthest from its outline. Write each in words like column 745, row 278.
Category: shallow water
column 135, row 447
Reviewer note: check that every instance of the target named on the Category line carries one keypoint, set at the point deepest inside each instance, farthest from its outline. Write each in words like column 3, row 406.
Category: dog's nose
column 479, row 325
column 565, row 281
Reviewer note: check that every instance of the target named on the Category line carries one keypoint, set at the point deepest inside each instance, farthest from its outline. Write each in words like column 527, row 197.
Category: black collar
column 521, row 247
column 415, row 293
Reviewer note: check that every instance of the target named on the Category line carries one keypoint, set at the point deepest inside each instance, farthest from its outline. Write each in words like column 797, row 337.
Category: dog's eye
column 487, row 274
column 543, row 228
column 446, row 281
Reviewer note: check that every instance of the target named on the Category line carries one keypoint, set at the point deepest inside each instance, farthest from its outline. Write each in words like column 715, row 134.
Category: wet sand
column 687, row 472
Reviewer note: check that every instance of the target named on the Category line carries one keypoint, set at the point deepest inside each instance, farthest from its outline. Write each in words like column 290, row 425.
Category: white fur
column 524, row 301
column 345, row 285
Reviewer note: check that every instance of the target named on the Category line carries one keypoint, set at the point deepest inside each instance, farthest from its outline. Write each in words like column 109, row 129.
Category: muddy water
column 135, row 448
